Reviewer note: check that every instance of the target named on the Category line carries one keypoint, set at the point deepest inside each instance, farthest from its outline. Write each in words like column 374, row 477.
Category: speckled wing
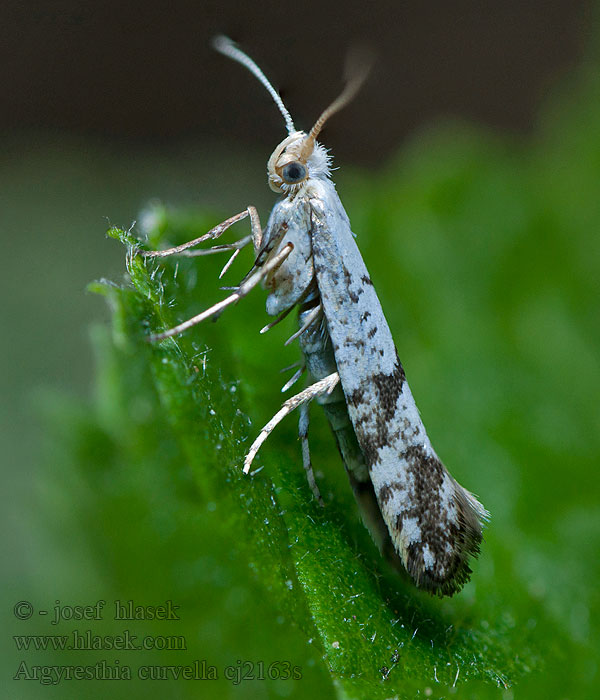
column 434, row 523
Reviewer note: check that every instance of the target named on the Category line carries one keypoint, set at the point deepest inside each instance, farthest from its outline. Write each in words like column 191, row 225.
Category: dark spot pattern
column 450, row 542
column 376, row 434
column 387, row 491
column 356, row 397
column 366, row 280
column 389, row 388
column 372, row 332
column 347, row 275
column 358, row 344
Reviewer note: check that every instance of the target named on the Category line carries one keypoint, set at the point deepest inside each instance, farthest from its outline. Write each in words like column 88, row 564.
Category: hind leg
column 306, row 461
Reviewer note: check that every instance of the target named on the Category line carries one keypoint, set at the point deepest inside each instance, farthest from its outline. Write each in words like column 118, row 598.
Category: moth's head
column 298, row 157
column 294, row 161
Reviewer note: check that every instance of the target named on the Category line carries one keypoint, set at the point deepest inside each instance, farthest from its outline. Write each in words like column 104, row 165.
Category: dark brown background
column 144, row 70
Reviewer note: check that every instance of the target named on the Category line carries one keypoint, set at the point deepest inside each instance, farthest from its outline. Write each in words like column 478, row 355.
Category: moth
column 307, row 259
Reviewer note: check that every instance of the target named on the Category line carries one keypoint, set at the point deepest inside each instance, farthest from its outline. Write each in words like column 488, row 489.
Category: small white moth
column 307, row 258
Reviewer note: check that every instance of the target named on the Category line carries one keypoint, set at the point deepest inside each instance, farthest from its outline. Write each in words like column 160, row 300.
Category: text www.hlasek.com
column 87, row 641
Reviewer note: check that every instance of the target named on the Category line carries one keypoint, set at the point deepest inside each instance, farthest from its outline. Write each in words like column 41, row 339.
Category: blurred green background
column 480, row 231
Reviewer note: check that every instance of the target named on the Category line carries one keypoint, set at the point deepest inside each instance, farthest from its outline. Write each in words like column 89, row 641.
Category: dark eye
column 293, row 173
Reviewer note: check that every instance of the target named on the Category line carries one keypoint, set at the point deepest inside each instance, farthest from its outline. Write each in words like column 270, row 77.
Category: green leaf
column 376, row 634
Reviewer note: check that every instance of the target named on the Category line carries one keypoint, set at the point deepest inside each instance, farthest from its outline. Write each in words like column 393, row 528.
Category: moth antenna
column 358, row 67
column 225, row 46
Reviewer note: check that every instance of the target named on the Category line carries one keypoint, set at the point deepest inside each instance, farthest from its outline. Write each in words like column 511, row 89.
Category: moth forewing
column 435, row 525
column 307, row 258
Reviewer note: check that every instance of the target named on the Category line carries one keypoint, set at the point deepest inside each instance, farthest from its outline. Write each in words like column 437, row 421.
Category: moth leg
column 263, row 256
column 310, row 319
column 257, row 232
column 246, row 286
column 229, row 263
column 306, row 461
column 213, row 234
column 255, row 237
column 296, row 376
column 263, row 252
column 236, row 247
column 276, row 321
column 323, row 386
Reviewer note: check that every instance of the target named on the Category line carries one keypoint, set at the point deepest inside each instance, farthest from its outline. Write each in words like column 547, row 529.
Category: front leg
column 213, row 234
column 244, row 287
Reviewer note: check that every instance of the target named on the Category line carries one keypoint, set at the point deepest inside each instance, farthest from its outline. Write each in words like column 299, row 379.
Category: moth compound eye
column 293, row 173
